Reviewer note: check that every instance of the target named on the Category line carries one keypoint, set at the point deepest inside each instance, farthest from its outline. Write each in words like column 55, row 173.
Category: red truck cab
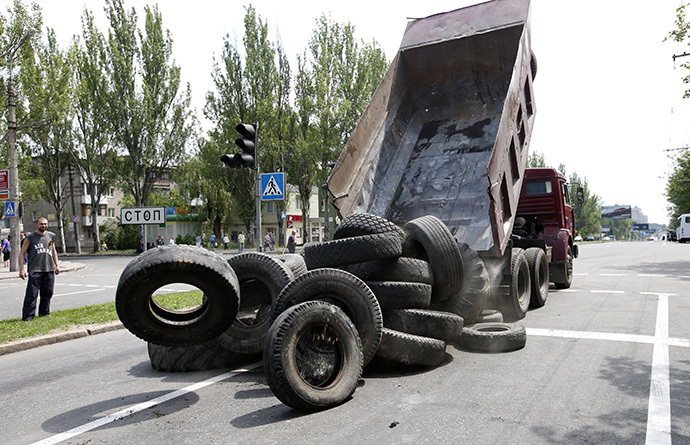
column 545, row 212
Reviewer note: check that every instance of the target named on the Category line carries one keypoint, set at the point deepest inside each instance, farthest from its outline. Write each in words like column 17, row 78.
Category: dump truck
column 447, row 133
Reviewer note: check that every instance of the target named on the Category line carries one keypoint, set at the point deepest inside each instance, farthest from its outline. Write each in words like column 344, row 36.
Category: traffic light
column 248, row 145
column 580, row 195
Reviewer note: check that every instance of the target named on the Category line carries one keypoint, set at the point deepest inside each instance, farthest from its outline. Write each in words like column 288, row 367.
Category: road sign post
column 142, row 216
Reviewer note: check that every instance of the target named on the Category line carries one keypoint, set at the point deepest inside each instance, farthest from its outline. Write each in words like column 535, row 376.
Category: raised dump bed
column 446, row 132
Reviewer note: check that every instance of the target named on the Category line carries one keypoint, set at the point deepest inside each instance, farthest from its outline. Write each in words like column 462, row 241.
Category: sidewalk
column 65, row 266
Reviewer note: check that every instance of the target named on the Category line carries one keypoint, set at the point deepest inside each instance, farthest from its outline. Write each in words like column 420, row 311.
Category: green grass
column 15, row 329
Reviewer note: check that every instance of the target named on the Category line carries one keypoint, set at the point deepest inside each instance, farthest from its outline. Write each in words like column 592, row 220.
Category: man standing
column 291, row 242
column 43, row 266
column 240, row 240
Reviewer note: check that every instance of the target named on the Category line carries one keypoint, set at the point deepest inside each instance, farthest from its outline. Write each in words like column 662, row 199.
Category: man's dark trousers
column 42, row 282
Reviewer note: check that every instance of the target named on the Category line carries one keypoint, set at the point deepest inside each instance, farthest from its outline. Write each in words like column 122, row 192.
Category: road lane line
column 659, row 411
column 613, row 274
column 609, row 336
column 142, row 406
column 651, row 275
column 595, row 291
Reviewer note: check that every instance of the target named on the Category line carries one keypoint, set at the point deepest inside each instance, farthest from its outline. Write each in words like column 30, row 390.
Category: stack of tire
column 376, row 293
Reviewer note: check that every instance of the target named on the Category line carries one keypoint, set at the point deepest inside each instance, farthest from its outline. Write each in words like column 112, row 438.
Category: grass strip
column 64, row 320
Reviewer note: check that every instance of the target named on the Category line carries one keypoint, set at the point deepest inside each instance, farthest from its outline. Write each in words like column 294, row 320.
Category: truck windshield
column 538, row 188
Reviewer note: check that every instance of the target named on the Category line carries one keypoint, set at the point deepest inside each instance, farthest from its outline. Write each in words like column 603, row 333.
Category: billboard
column 616, row 212
column 640, row 227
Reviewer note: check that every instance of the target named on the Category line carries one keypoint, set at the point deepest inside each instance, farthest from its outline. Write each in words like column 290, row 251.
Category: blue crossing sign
column 272, row 186
column 10, row 208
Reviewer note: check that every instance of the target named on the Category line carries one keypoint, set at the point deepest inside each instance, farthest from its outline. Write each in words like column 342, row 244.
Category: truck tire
column 358, row 249
column 425, row 323
column 493, row 337
column 261, row 279
column 313, row 356
column 489, row 316
column 518, row 300
column 393, row 269
column 203, row 357
column 295, row 262
column 344, row 290
column 474, row 293
column 358, row 224
column 568, row 271
column 407, row 349
column 539, row 276
column 401, row 294
column 432, row 241
column 155, row 268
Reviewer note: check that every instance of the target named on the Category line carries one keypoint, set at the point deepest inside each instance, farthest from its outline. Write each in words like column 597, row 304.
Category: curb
column 30, row 343
column 65, row 266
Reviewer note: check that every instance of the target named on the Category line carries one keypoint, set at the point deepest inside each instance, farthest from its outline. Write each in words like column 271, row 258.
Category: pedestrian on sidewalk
column 5, row 248
column 291, row 242
column 43, row 266
column 240, row 240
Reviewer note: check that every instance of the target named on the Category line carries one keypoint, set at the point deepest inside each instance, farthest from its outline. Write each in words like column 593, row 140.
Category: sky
column 608, row 94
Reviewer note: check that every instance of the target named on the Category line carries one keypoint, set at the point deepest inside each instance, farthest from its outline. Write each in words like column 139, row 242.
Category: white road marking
column 659, row 411
column 613, row 275
column 595, row 291
column 651, row 275
column 142, row 406
column 78, row 292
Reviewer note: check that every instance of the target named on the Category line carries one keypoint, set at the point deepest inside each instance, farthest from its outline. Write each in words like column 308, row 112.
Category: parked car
column 590, row 238
column 578, row 238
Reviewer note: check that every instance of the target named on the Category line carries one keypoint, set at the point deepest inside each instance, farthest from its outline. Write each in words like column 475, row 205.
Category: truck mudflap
column 447, row 131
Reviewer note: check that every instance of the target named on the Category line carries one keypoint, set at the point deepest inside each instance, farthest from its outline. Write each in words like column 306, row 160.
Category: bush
column 119, row 237
column 185, row 239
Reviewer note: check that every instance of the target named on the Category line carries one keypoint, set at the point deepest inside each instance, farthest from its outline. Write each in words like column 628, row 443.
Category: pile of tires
column 377, row 293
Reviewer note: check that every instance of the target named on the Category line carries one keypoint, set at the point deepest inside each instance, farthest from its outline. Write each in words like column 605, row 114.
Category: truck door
column 568, row 214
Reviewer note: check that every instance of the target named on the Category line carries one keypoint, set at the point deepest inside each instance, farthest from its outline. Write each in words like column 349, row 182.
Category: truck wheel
column 401, row 294
column 433, row 241
column 474, row 293
column 203, row 357
column 261, row 279
column 394, row 269
column 539, row 276
column 295, row 262
column 407, row 349
column 358, row 224
column 493, row 337
column 145, row 318
column 568, row 271
column 434, row 324
column 313, row 356
column 358, row 249
column 345, row 291
column 520, row 287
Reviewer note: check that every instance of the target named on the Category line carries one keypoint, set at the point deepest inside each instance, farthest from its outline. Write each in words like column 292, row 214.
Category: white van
column 683, row 229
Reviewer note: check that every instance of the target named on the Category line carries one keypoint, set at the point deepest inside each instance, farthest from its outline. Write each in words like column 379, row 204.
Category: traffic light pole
column 257, row 177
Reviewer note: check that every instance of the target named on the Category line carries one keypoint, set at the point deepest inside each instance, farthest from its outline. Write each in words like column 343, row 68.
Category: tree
column 49, row 101
column 344, row 75
column 148, row 114
column 94, row 155
column 587, row 212
column 678, row 185
column 536, row 160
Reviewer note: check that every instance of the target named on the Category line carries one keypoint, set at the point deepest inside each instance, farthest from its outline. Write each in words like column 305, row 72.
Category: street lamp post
column 12, row 139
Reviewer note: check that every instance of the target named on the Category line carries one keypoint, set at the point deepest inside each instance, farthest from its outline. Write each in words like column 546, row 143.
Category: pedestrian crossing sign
column 272, row 186
column 10, row 209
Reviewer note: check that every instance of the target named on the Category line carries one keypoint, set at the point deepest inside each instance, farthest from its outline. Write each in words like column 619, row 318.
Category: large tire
column 158, row 267
column 407, row 349
column 394, row 269
column 295, row 262
column 489, row 316
column 425, row 323
column 358, row 224
column 539, row 276
column 401, row 294
column 313, row 356
column 261, row 279
column 203, row 357
column 493, row 337
column 474, row 293
column 344, row 290
column 432, row 241
column 568, row 271
column 515, row 307
column 353, row 250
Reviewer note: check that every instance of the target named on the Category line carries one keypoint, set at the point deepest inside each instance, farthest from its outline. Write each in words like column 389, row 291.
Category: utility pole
column 12, row 139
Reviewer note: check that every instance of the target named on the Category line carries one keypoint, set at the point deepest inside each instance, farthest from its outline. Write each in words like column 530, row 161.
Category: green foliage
column 587, row 213
column 678, row 187
column 536, row 160
column 119, row 237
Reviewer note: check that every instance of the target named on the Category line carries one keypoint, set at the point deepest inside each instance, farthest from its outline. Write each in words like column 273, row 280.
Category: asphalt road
column 606, row 362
